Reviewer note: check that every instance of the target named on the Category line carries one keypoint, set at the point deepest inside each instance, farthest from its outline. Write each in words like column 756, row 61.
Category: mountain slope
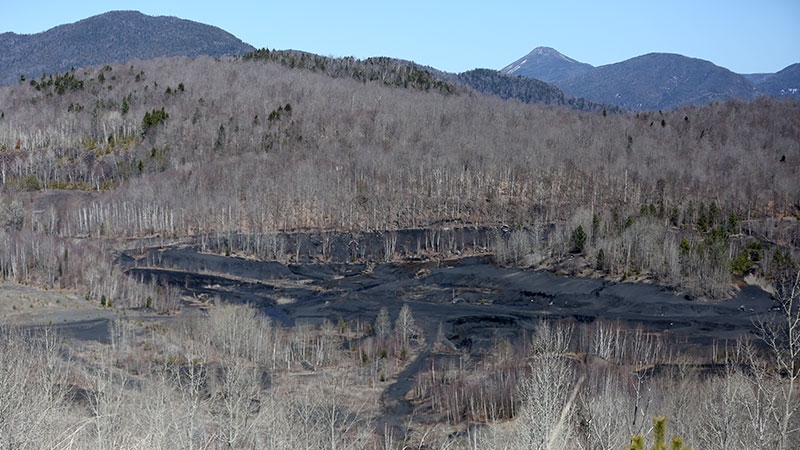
column 757, row 78
column 111, row 37
column 547, row 64
column 407, row 74
column 785, row 83
column 526, row 90
column 523, row 89
column 659, row 81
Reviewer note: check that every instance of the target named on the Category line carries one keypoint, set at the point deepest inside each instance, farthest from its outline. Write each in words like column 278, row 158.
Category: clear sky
column 745, row 36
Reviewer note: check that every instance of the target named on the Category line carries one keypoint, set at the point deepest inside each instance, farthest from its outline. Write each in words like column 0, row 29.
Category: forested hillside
column 156, row 193
column 181, row 146
column 525, row 90
column 406, row 74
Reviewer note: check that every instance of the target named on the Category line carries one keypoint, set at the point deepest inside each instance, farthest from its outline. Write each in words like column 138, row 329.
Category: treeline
column 388, row 71
column 180, row 147
column 406, row 74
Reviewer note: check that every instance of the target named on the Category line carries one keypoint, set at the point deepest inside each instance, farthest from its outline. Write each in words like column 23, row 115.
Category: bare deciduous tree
column 383, row 324
column 782, row 336
column 404, row 325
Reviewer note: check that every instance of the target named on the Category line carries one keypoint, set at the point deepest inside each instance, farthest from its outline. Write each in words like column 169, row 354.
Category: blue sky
column 744, row 36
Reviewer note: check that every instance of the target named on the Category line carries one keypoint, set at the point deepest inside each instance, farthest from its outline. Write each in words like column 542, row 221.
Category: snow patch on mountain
column 514, row 67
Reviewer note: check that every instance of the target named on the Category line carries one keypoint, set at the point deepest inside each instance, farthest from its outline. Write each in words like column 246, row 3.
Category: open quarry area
column 420, row 351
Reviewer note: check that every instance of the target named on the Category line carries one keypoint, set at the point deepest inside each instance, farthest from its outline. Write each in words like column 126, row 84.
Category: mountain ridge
column 544, row 75
column 653, row 80
column 659, row 81
column 114, row 36
column 785, row 83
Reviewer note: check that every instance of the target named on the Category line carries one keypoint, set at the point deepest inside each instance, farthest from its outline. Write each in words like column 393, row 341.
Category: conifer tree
column 659, row 438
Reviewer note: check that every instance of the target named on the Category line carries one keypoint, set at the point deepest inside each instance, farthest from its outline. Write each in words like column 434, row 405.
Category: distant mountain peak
column 652, row 81
column 114, row 36
column 546, row 64
column 551, row 52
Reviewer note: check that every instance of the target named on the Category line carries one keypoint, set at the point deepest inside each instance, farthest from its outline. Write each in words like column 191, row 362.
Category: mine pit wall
column 367, row 246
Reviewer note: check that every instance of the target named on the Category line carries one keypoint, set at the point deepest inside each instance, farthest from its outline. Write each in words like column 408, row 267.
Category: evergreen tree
column 685, row 247
column 713, row 214
column 688, row 214
column 578, row 240
column 702, row 219
column 674, row 216
column 153, row 118
column 659, row 438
